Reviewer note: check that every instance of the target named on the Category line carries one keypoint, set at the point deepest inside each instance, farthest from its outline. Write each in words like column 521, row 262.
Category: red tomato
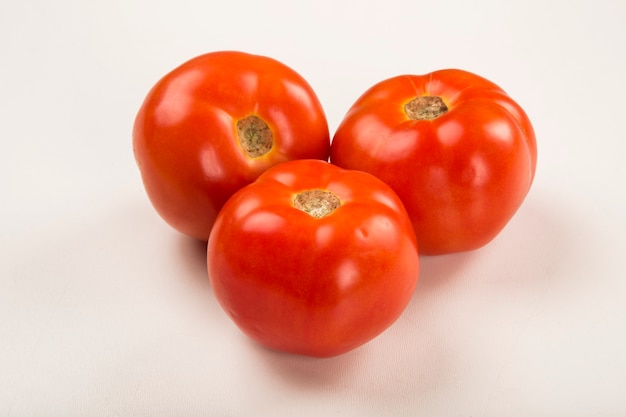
column 313, row 259
column 214, row 124
column 459, row 152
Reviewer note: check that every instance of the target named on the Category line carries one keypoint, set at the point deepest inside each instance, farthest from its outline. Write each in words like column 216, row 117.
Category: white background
column 106, row 311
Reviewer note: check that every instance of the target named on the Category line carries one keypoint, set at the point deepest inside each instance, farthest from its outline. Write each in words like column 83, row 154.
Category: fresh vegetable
column 459, row 152
column 313, row 259
column 214, row 124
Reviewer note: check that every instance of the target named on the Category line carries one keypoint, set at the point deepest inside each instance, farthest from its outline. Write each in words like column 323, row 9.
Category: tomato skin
column 185, row 141
column 462, row 175
column 313, row 286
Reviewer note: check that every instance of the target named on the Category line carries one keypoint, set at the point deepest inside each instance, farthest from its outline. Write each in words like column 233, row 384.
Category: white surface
column 105, row 311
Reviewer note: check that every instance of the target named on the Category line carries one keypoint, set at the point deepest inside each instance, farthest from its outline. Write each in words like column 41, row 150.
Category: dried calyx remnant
column 425, row 108
column 255, row 136
column 316, row 203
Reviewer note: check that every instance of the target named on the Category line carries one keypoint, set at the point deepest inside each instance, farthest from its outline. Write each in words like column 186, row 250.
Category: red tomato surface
column 316, row 284
column 461, row 174
column 186, row 134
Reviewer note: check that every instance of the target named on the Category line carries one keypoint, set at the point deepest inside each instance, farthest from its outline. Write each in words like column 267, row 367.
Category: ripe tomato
column 214, row 124
column 460, row 153
column 313, row 259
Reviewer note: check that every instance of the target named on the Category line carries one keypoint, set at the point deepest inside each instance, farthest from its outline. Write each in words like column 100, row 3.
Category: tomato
column 214, row 124
column 459, row 152
column 313, row 259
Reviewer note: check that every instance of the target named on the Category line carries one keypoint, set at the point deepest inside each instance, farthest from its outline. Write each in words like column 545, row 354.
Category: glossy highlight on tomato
column 459, row 152
column 214, row 124
column 313, row 259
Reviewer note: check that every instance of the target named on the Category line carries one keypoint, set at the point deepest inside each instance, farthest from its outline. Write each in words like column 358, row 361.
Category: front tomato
column 460, row 153
column 313, row 259
column 214, row 124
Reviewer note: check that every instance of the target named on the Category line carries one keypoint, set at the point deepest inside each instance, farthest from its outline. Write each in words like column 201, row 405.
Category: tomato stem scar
column 255, row 136
column 425, row 108
column 316, row 203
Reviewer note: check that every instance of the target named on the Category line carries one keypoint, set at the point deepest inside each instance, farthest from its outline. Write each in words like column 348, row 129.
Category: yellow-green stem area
column 425, row 108
column 255, row 136
column 316, row 203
